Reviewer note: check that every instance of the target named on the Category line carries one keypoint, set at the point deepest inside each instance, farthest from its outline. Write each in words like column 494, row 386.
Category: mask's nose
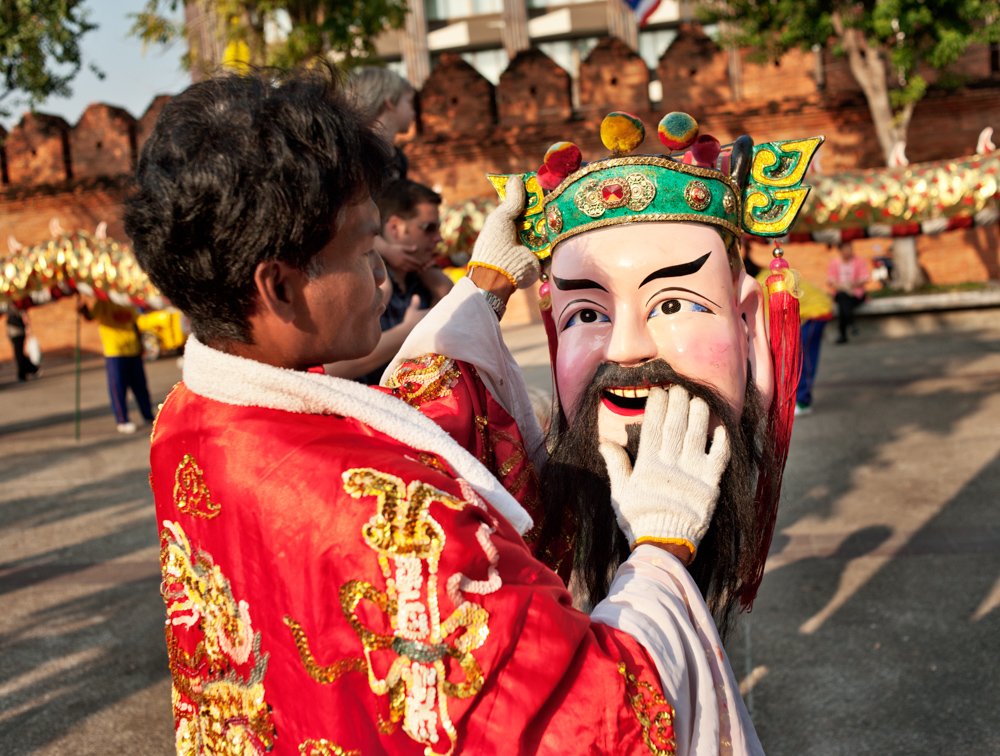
column 631, row 342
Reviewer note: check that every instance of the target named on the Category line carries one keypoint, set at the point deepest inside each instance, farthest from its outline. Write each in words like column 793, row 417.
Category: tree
column 230, row 32
column 890, row 45
column 40, row 50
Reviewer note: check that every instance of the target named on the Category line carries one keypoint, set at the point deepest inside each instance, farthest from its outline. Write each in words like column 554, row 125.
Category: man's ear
column 393, row 227
column 752, row 307
column 279, row 288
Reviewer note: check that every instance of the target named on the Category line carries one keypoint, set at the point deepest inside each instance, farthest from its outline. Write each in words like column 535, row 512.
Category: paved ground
column 877, row 630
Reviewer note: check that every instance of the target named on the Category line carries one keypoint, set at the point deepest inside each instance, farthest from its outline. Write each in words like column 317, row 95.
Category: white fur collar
column 247, row 383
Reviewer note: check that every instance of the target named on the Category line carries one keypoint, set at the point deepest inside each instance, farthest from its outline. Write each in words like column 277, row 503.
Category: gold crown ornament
column 737, row 188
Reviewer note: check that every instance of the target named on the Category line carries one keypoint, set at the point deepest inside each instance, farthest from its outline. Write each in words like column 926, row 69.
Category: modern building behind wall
column 488, row 33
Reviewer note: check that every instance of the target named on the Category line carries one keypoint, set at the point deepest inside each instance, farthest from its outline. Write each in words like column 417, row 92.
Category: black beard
column 575, row 479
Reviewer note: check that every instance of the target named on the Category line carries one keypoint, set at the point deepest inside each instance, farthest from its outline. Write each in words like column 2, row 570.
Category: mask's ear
column 753, row 311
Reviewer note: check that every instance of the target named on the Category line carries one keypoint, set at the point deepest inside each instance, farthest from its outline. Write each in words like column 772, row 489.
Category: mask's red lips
column 627, row 401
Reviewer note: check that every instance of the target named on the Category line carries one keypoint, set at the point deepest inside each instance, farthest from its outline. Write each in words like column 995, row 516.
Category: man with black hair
column 410, row 216
column 339, row 574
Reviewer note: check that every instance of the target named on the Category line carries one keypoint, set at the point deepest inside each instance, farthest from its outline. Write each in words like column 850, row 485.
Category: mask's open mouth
column 626, row 400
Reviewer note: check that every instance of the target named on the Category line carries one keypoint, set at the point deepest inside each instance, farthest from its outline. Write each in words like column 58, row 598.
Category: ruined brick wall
column 467, row 128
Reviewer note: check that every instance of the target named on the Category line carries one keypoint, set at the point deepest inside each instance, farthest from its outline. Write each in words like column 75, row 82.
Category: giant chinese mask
column 643, row 256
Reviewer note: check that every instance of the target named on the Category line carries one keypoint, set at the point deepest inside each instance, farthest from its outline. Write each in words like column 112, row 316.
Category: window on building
column 446, row 10
column 568, row 53
column 652, row 45
column 490, row 63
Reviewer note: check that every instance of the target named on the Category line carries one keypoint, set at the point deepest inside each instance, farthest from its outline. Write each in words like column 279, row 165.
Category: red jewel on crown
column 613, row 194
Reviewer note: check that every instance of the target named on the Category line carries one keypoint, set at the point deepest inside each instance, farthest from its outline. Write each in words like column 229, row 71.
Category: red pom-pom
column 706, row 149
column 563, row 158
column 548, row 179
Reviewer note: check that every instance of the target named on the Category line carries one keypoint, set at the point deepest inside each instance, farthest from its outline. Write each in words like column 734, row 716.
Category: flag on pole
column 642, row 9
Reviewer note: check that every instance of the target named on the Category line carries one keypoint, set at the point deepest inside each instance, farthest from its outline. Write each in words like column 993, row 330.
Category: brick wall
column 468, row 128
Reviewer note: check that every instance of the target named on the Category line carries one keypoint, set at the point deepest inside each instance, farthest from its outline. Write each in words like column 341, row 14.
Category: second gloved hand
column 497, row 246
column 669, row 496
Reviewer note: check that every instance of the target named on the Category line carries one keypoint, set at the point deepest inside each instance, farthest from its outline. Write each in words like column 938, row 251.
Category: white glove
column 497, row 246
column 670, row 495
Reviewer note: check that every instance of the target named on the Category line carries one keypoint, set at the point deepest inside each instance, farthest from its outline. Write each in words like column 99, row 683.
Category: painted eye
column 673, row 306
column 583, row 317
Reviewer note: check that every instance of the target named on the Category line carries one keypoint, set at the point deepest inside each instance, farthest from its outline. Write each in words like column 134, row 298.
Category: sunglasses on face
column 431, row 227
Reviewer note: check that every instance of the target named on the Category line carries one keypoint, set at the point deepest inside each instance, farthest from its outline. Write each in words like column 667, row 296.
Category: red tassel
column 786, row 355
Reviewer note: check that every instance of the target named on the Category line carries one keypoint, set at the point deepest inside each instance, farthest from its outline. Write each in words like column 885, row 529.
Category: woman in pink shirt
column 846, row 279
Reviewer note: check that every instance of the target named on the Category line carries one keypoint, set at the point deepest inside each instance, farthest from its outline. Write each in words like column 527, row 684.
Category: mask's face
column 632, row 293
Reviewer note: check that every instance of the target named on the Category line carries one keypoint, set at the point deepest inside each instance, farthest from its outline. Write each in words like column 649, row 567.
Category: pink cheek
column 576, row 362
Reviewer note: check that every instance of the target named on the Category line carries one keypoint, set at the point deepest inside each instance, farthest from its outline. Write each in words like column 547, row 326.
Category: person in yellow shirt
column 815, row 311
column 122, row 349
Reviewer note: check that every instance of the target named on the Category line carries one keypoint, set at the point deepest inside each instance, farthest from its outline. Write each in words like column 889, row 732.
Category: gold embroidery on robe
column 324, row 675
column 655, row 715
column 432, row 657
column 191, row 495
column 218, row 687
column 323, row 747
column 424, row 379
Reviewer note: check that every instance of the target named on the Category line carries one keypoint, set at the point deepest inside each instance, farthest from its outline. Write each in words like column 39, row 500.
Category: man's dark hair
column 401, row 197
column 240, row 170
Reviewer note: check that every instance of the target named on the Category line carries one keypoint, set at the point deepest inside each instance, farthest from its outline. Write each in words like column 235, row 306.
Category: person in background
column 122, row 349
column 410, row 215
column 846, row 279
column 386, row 101
column 18, row 330
column 815, row 311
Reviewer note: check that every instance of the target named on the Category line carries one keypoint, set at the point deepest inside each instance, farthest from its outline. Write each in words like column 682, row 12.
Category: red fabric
column 260, row 535
column 470, row 415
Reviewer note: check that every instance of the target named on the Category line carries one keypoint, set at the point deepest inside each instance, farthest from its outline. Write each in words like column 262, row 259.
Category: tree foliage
column 40, row 50
column 227, row 31
column 891, row 45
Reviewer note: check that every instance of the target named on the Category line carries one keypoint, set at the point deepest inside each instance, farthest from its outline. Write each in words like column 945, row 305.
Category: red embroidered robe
column 331, row 590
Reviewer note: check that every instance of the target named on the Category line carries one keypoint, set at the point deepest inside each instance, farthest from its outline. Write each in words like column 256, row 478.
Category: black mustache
column 655, row 373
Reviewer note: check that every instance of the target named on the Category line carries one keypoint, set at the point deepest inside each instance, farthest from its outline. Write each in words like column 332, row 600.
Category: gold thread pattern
column 323, row 747
column 424, row 379
column 323, row 675
column 432, row 657
column 218, row 685
column 655, row 715
column 191, row 495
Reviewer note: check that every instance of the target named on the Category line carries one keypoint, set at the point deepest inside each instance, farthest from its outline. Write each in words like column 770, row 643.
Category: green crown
column 763, row 199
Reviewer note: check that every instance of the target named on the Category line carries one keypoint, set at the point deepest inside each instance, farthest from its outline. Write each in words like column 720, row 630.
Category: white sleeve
column 464, row 327
column 654, row 599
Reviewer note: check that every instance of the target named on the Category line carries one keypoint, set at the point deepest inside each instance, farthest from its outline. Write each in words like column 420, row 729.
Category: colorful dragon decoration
column 91, row 264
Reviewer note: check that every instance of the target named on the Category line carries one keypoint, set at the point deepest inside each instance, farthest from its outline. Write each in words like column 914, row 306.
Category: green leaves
column 298, row 30
column 39, row 50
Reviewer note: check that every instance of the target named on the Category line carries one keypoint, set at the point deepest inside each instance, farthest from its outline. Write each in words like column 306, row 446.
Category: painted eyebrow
column 570, row 284
column 683, row 269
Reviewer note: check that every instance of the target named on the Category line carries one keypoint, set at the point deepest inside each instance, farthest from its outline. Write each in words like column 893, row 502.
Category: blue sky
column 132, row 77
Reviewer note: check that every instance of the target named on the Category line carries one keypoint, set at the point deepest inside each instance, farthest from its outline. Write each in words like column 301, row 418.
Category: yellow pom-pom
column 622, row 132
